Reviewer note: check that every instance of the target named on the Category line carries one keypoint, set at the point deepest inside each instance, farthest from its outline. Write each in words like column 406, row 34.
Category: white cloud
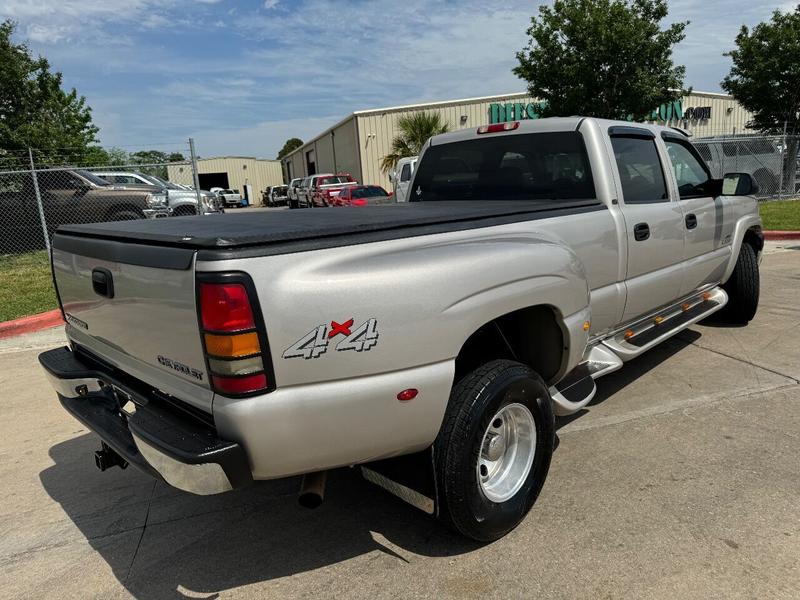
column 270, row 4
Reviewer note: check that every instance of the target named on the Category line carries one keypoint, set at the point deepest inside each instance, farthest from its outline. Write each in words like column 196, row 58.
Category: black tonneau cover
column 279, row 232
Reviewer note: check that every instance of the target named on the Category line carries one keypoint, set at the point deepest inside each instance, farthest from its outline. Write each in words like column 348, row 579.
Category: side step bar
column 644, row 335
column 577, row 389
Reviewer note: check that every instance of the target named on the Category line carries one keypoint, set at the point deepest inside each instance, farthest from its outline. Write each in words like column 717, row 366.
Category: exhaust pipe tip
column 312, row 489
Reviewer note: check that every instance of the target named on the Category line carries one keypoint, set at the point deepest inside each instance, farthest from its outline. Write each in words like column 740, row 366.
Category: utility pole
column 39, row 202
column 195, row 176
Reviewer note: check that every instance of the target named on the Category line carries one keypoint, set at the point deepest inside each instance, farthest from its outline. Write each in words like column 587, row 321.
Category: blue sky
column 243, row 76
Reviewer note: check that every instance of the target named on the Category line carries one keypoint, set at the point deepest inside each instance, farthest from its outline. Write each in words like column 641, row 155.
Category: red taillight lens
column 236, row 351
column 225, row 307
column 239, row 385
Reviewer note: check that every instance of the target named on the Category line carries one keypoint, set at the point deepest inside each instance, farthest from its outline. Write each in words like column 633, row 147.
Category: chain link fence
column 35, row 199
column 773, row 161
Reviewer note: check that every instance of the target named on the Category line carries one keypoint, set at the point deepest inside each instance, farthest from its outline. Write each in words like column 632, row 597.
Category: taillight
column 234, row 348
column 498, row 127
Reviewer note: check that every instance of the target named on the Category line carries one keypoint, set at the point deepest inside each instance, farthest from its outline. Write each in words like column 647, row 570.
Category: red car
column 363, row 195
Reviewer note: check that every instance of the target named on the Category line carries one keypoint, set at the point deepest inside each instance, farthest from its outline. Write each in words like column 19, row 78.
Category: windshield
column 532, row 166
column 92, row 177
column 368, row 192
column 162, row 182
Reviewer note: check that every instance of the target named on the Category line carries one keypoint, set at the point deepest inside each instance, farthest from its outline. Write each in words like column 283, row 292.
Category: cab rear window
column 535, row 166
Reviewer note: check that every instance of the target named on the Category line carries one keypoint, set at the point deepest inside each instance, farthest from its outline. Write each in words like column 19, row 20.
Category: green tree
column 765, row 79
column 602, row 58
column 153, row 162
column 291, row 145
column 415, row 129
column 34, row 109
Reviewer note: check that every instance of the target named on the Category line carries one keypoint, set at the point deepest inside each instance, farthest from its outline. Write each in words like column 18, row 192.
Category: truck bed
column 219, row 237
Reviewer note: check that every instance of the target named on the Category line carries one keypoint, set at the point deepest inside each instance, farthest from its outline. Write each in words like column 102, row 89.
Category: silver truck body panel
column 152, row 314
column 425, row 295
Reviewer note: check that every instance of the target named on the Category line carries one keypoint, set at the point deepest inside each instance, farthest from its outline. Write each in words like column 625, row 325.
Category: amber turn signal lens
column 243, row 344
column 685, row 306
column 628, row 334
column 707, row 296
column 658, row 320
column 586, row 325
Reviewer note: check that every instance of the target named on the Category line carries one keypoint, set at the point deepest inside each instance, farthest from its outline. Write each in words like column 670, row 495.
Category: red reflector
column 498, row 127
column 225, row 307
column 239, row 385
column 408, row 394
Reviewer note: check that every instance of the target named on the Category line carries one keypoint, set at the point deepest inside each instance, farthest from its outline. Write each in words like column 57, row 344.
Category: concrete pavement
column 681, row 479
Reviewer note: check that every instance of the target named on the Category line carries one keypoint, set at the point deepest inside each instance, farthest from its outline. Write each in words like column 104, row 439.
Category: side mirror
column 391, row 177
column 739, row 184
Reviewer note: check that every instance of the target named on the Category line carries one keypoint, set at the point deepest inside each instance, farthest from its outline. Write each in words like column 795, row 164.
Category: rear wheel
column 743, row 287
column 493, row 452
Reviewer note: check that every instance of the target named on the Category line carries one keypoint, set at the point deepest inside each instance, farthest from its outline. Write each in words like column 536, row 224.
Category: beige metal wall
column 257, row 172
column 335, row 151
column 377, row 128
column 361, row 140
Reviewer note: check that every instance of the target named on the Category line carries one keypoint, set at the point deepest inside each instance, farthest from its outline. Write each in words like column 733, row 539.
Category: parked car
column 759, row 157
column 363, row 195
column 301, row 191
column 228, row 198
column 68, row 196
column 291, row 193
column 275, row 195
column 401, row 177
column 323, row 189
column 180, row 201
column 429, row 342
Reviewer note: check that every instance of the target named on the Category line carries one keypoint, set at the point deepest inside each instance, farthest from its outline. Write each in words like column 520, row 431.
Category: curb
column 45, row 320
column 781, row 235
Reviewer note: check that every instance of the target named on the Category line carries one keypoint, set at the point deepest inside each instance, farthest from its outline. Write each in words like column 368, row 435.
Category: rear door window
column 534, row 166
column 640, row 170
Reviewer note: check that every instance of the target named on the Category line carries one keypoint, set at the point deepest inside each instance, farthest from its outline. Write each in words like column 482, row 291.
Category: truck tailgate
column 134, row 306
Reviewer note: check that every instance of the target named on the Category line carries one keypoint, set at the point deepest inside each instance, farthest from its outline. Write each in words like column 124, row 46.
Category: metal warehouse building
column 357, row 143
column 231, row 172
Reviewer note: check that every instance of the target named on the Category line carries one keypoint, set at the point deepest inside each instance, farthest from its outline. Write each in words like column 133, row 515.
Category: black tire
column 474, row 402
column 743, row 288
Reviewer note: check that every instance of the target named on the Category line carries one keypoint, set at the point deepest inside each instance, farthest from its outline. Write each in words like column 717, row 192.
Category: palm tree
column 415, row 130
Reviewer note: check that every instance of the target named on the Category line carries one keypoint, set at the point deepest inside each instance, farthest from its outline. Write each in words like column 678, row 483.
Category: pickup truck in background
column 291, row 192
column 401, row 177
column 68, row 196
column 228, row 198
column 759, row 157
column 180, row 201
column 324, row 188
column 430, row 342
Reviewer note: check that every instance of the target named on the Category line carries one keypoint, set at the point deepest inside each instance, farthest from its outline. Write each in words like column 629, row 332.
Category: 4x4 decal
column 315, row 343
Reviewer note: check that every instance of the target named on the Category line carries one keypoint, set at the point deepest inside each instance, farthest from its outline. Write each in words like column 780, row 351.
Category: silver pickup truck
column 428, row 342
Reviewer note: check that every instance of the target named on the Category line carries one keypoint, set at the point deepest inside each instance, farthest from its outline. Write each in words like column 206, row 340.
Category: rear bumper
column 149, row 433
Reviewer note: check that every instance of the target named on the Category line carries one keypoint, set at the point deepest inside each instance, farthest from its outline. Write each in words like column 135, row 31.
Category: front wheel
column 493, row 452
column 743, row 288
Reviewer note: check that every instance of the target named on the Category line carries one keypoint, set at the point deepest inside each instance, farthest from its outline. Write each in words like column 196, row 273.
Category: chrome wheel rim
column 507, row 451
